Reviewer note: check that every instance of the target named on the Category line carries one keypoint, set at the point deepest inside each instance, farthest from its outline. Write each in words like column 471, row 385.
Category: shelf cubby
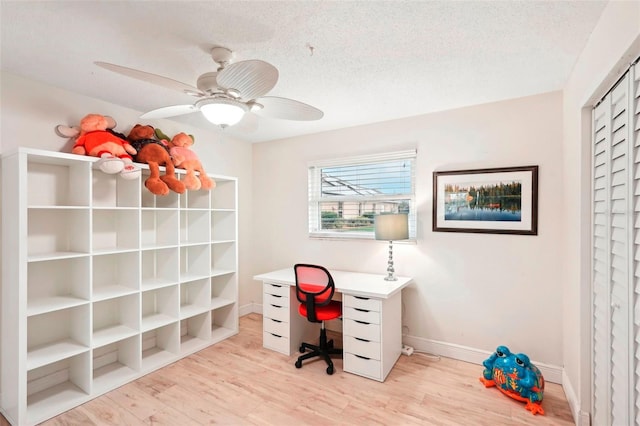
column 159, row 228
column 115, row 319
column 116, row 363
column 57, row 284
column 52, row 233
column 223, row 225
column 115, row 275
column 114, row 191
column 194, row 226
column 196, row 200
column 160, row 307
column 57, row 387
column 223, row 257
column 223, row 291
column 160, row 268
column 194, row 262
column 194, row 298
column 160, row 346
column 194, row 331
column 115, row 230
column 169, row 201
column 57, row 335
column 224, row 322
column 224, row 195
column 57, row 182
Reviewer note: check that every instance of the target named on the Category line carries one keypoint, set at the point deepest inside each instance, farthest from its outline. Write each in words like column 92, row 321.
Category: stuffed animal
column 155, row 153
column 184, row 158
column 515, row 376
column 94, row 137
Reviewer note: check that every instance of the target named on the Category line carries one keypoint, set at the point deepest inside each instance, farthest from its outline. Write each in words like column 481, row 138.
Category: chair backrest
column 314, row 287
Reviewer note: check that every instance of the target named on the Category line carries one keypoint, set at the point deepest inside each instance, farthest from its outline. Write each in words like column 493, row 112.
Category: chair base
column 324, row 350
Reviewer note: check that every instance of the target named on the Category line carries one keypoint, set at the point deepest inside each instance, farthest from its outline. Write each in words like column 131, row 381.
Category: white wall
column 31, row 110
column 474, row 290
column 614, row 43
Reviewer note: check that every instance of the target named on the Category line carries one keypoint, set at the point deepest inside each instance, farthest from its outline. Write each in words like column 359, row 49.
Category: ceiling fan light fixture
column 222, row 112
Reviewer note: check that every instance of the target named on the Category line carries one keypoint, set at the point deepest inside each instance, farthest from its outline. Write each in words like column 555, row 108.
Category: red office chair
column 314, row 289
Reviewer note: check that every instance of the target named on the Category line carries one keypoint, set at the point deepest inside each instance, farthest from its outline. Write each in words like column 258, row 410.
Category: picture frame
column 493, row 201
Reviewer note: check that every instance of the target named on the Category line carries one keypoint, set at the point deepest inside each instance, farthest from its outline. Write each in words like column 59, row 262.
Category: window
column 345, row 194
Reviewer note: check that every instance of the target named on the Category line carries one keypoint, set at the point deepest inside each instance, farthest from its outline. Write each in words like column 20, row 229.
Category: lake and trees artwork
column 498, row 200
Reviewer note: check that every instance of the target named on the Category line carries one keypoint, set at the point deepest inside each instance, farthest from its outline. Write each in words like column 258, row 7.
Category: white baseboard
column 580, row 417
column 250, row 308
column 551, row 373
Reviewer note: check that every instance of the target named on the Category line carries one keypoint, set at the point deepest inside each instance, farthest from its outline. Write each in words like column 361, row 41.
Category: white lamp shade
column 392, row 227
column 222, row 112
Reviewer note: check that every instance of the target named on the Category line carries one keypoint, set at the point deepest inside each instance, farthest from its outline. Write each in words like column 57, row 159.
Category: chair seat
column 324, row 313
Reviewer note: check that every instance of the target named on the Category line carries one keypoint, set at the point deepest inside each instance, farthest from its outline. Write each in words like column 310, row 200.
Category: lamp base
column 390, row 270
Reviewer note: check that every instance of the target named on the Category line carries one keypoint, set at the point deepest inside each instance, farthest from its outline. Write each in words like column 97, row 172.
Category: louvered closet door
column 616, row 255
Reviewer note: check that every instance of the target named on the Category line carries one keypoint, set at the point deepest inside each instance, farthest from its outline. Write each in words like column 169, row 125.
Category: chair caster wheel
column 298, row 364
column 302, row 349
column 330, row 370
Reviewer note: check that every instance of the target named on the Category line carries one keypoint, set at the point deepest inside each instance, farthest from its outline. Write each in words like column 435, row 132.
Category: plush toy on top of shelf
column 155, row 152
column 95, row 137
column 185, row 158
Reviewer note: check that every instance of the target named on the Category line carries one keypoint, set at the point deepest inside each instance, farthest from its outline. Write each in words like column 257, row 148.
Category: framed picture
column 494, row 201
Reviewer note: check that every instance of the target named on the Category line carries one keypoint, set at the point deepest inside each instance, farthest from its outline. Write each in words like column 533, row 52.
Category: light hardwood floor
column 237, row 382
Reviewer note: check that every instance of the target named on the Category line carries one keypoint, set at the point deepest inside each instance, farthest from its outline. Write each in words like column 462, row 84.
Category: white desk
column 371, row 315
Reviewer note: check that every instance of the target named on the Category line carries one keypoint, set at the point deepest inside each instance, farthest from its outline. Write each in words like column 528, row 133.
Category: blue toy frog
column 516, row 377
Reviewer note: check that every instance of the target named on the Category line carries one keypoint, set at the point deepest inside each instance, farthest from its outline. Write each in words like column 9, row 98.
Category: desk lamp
column 391, row 227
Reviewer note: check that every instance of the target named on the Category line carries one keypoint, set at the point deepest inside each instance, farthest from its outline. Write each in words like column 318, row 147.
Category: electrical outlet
column 407, row 350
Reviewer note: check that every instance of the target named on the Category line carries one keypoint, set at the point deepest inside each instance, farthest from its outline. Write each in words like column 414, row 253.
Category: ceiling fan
column 226, row 95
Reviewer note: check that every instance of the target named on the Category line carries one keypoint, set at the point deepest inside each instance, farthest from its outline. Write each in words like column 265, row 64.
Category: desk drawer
column 365, row 348
column 360, row 302
column 276, row 289
column 360, row 314
column 364, row 367
column 271, row 299
column 280, row 313
column 275, row 342
column 276, row 327
column 363, row 330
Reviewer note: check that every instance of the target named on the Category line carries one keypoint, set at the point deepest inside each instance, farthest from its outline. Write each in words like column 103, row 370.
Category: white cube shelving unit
column 103, row 282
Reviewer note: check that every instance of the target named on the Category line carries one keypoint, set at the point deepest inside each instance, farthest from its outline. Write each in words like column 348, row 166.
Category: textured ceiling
column 371, row 61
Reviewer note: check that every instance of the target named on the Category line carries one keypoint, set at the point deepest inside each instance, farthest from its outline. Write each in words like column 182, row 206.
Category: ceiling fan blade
column 170, row 111
column 152, row 78
column 288, row 109
column 251, row 79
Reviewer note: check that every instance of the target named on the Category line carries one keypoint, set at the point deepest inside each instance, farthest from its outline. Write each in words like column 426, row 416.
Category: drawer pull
column 361, row 310
column 275, row 295
column 362, row 322
column 275, row 320
column 275, row 285
column 276, row 306
column 362, row 357
column 361, row 339
column 277, row 335
column 361, row 298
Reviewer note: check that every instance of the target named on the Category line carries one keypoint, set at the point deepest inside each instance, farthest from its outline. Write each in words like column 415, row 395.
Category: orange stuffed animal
column 155, row 153
column 95, row 138
column 184, row 158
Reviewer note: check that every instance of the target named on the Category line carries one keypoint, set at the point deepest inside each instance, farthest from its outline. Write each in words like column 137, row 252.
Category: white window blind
column 345, row 194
